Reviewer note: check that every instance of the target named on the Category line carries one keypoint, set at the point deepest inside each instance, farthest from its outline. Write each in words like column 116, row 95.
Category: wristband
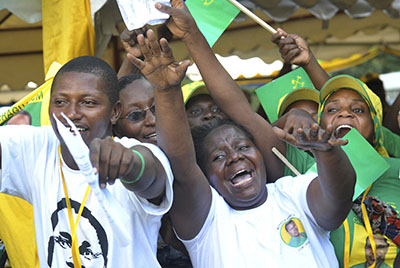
column 141, row 169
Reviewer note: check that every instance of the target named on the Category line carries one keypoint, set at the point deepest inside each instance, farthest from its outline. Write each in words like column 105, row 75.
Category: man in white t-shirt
column 37, row 166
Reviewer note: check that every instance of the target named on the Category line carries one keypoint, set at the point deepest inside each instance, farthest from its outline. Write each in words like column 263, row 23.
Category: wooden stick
column 253, row 16
column 285, row 161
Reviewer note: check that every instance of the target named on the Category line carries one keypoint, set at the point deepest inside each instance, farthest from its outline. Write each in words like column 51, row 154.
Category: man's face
column 235, row 167
column 82, row 98
column 292, row 229
column 381, row 249
column 346, row 109
column 136, row 97
column 201, row 109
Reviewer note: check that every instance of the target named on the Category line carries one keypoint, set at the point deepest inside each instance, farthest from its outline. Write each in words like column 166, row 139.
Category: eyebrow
column 337, row 100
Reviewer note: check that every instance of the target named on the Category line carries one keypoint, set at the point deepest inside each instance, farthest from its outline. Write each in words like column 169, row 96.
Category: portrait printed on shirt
column 92, row 244
column 293, row 233
column 361, row 254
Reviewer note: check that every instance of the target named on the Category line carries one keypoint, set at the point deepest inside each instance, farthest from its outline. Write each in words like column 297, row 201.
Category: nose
column 73, row 112
column 233, row 156
column 345, row 113
column 208, row 115
column 150, row 119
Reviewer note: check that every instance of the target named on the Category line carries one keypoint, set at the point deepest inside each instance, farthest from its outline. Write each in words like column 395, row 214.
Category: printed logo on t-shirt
column 293, row 233
column 92, row 244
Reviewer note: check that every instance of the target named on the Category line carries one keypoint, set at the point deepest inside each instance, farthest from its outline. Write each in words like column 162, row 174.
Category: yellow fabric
column 297, row 95
column 193, row 89
column 346, row 243
column 368, row 226
column 17, row 231
column 68, row 30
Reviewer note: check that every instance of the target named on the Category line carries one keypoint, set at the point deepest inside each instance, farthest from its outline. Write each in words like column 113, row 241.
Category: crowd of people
column 193, row 167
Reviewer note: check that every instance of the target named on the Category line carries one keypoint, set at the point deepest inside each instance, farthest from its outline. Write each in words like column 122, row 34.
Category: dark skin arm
column 223, row 89
column 112, row 160
column 295, row 50
column 329, row 197
column 192, row 194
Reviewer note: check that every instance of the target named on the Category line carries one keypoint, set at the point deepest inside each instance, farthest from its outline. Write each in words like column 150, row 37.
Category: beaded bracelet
column 141, row 169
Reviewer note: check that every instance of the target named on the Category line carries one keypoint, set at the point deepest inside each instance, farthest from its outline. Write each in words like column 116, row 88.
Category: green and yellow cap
column 193, row 89
column 297, row 95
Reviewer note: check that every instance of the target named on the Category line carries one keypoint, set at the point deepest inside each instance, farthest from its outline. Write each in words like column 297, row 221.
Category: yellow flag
column 68, row 31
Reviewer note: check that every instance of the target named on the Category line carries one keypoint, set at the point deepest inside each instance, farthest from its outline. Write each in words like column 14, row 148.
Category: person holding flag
column 72, row 228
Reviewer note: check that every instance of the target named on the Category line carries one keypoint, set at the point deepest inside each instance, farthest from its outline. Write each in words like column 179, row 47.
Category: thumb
column 165, row 8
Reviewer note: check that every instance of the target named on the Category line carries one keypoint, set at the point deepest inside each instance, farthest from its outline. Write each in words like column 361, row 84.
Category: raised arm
column 137, row 167
column 225, row 92
column 329, row 197
column 295, row 50
column 192, row 194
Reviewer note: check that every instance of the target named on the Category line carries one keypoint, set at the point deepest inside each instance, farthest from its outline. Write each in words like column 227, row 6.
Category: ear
column 116, row 112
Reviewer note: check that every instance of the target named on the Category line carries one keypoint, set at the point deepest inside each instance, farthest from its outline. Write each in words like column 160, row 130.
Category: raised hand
column 181, row 21
column 129, row 41
column 293, row 48
column 159, row 65
column 311, row 137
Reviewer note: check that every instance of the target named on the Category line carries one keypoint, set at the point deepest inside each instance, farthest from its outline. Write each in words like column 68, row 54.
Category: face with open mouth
column 137, row 118
column 235, row 167
column 346, row 109
column 82, row 98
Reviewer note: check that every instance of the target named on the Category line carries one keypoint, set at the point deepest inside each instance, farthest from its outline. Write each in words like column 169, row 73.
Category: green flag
column 271, row 94
column 361, row 154
column 212, row 17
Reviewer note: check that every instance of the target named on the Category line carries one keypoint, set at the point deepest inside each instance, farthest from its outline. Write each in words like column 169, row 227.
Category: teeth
column 237, row 173
column 342, row 127
column 151, row 135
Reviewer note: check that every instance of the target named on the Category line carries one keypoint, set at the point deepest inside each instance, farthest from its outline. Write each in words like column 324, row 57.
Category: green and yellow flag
column 270, row 94
column 212, row 17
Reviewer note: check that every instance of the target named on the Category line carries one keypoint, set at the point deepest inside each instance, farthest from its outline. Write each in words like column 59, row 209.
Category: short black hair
column 200, row 133
column 124, row 81
column 96, row 66
column 289, row 222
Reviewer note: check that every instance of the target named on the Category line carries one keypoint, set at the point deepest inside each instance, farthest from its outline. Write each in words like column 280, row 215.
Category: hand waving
column 311, row 138
column 159, row 65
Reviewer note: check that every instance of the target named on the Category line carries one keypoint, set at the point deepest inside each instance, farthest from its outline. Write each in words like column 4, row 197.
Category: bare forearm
column 127, row 68
column 337, row 179
column 316, row 73
column 149, row 183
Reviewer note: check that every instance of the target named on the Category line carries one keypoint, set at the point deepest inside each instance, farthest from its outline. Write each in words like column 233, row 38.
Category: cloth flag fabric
column 361, row 154
column 270, row 94
column 212, row 17
column 68, row 31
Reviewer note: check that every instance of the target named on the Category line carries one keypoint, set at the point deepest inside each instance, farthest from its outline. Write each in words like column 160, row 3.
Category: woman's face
column 346, row 109
column 136, row 99
column 235, row 167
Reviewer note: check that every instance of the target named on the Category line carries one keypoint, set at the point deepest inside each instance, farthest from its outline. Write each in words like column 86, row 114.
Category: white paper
column 116, row 216
column 138, row 13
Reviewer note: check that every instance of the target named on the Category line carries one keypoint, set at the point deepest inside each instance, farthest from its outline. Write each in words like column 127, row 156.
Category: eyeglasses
column 139, row 115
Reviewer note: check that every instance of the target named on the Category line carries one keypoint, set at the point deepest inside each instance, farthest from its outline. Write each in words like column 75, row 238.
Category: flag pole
column 253, row 16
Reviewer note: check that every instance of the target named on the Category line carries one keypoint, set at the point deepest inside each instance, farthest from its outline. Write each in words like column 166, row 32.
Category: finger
column 183, row 66
column 338, row 142
column 155, row 48
column 165, row 9
column 95, row 151
column 288, row 48
column 301, row 135
column 283, row 135
column 114, row 163
column 135, row 61
column 144, row 48
column 165, row 48
column 314, row 132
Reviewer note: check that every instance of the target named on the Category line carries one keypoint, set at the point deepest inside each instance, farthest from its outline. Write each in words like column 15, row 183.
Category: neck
column 67, row 157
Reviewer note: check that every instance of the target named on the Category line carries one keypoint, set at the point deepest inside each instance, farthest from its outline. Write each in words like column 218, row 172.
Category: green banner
column 271, row 94
column 361, row 154
column 212, row 17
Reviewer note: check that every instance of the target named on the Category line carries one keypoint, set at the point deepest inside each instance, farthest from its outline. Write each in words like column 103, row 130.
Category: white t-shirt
column 31, row 170
column 258, row 237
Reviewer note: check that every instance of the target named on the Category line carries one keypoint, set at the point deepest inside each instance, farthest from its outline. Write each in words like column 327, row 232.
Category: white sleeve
column 166, row 203
column 18, row 159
